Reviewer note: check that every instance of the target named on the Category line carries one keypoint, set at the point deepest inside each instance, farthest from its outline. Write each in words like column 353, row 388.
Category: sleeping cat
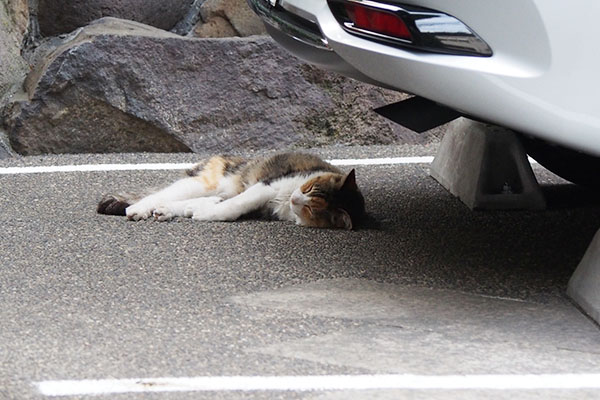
column 291, row 186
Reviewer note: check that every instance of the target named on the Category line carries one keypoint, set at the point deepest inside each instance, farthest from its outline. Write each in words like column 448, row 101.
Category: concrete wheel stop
column 584, row 285
column 486, row 167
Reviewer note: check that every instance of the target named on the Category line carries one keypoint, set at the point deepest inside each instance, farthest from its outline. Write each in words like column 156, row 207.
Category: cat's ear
column 350, row 181
column 342, row 219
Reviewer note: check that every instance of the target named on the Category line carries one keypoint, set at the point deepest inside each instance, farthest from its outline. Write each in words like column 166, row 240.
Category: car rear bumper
column 303, row 38
column 537, row 81
column 290, row 24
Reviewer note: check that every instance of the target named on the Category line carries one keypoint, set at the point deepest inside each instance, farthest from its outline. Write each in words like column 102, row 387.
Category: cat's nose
column 297, row 198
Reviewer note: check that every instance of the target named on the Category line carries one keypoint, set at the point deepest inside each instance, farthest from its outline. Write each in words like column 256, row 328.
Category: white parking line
column 92, row 168
column 172, row 166
column 319, row 383
column 175, row 166
column 383, row 161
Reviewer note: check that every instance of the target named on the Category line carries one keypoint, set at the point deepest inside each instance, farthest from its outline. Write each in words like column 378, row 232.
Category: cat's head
column 328, row 200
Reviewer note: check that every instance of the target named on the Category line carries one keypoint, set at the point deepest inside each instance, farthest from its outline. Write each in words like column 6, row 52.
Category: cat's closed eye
column 307, row 188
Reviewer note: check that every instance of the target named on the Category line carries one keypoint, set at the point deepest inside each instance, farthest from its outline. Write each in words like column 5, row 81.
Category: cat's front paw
column 206, row 215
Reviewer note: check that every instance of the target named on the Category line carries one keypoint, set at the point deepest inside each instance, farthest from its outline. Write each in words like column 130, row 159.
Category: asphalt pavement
column 429, row 291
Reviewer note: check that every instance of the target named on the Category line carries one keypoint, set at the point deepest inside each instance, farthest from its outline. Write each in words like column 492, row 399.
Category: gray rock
column 13, row 24
column 187, row 23
column 214, row 27
column 225, row 18
column 5, row 149
column 63, row 16
column 122, row 86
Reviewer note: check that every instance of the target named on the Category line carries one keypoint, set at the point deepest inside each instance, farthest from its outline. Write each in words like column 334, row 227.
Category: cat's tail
column 114, row 204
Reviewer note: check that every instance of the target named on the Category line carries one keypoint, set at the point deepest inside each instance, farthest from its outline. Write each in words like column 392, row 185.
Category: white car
column 528, row 65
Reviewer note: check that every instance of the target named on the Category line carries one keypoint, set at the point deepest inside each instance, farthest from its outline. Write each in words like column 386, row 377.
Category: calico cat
column 294, row 187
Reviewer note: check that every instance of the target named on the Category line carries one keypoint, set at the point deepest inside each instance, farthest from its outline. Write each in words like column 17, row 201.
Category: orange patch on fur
column 212, row 172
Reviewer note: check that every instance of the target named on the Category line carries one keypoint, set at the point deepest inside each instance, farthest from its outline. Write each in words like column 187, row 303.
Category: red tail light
column 377, row 21
column 408, row 26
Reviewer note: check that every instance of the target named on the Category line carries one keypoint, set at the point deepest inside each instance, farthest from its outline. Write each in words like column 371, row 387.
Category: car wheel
column 574, row 166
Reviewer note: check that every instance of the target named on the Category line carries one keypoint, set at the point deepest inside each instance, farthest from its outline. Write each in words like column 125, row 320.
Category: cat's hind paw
column 137, row 212
column 163, row 214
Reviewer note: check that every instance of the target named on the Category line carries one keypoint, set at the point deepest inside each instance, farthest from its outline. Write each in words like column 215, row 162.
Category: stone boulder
column 14, row 16
column 63, row 16
column 226, row 18
column 119, row 86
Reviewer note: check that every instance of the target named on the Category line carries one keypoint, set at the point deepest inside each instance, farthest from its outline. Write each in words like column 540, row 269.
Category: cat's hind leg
column 212, row 177
column 217, row 184
column 183, row 189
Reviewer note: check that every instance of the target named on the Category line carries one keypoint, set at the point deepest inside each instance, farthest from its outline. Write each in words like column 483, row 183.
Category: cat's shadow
column 371, row 222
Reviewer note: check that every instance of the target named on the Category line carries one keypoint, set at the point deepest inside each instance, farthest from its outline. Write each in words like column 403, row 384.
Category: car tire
column 572, row 165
